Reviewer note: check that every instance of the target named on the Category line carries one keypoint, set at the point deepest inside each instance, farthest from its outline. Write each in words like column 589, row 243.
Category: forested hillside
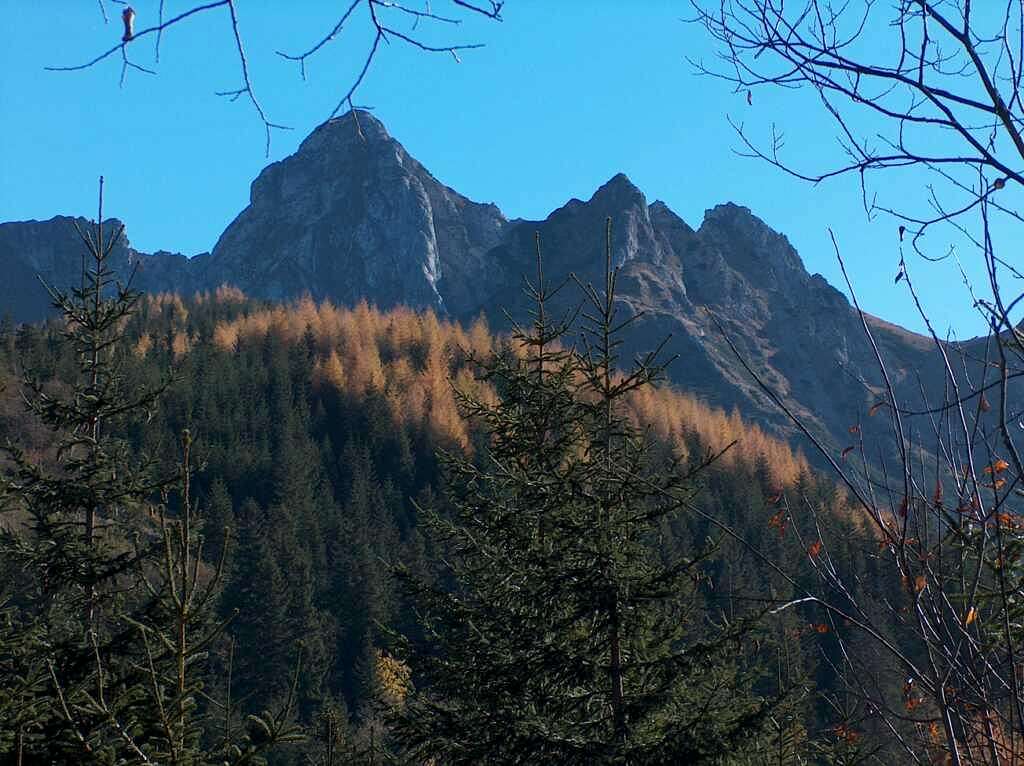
column 352, row 215
column 317, row 430
column 371, row 471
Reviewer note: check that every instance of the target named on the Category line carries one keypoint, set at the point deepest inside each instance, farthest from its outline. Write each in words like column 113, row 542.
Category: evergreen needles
column 111, row 609
column 564, row 636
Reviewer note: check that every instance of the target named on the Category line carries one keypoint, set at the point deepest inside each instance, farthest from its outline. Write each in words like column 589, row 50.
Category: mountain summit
column 351, row 216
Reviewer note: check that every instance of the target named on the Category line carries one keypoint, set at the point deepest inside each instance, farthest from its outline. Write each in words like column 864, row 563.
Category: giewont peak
column 619, row 192
column 354, row 127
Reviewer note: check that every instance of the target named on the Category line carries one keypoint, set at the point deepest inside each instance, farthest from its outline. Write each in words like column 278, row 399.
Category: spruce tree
column 108, row 614
column 74, row 531
column 563, row 634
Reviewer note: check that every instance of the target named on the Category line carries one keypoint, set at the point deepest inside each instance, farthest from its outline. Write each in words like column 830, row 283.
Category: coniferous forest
column 243, row 532
column 388, row 477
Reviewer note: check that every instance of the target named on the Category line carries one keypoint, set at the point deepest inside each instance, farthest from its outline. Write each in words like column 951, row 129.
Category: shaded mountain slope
column 352, row 216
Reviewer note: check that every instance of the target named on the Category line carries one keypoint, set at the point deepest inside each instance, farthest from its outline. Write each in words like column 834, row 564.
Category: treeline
column 315, row 434
column 413, row 358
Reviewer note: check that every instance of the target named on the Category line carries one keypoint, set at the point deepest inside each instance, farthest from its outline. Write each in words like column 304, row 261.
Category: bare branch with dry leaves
column 382, row 16
column 935, row 93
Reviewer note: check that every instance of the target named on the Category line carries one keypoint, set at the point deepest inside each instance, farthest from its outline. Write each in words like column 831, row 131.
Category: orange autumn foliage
column 180, row 345
column 412, row 358
column 225, row 337
column 169, row 305
column 143, row 345
column 329, row 372
column 674, row 416
column 997, row 467
column 986, row 738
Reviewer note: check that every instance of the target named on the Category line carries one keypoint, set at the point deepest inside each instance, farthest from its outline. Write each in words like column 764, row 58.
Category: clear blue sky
column 563, row 96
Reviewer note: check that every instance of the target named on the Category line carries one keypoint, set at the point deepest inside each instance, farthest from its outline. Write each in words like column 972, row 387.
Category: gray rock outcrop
column 351, row 216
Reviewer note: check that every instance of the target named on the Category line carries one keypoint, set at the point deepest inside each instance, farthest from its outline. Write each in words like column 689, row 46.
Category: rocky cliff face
column 33, row 252
column 351, row 216
column 796, row 331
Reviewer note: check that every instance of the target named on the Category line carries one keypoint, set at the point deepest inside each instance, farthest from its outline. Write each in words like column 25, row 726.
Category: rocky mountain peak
column 665, row 217
column 618, row 193
column 339, row 148
column 352, row 216
column 738, row 222
column 356, row 129
column 753, row 248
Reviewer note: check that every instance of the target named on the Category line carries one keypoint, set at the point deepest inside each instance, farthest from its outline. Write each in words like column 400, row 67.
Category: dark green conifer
column 76, row 530
column 564, row 635
column 109, row 612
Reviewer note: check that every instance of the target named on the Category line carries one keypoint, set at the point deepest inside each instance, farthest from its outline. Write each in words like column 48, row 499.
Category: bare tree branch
column 383, row 31
column 935, row 93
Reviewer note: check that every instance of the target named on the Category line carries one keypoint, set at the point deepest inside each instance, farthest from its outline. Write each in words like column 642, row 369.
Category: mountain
column 50, row 252
column 351, row 215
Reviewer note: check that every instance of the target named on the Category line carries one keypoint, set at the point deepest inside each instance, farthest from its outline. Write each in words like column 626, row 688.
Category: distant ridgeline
column 351, row 216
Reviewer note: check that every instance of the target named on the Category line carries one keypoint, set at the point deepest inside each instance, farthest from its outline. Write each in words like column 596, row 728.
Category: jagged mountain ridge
column 51, row 252
column 351, row 215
